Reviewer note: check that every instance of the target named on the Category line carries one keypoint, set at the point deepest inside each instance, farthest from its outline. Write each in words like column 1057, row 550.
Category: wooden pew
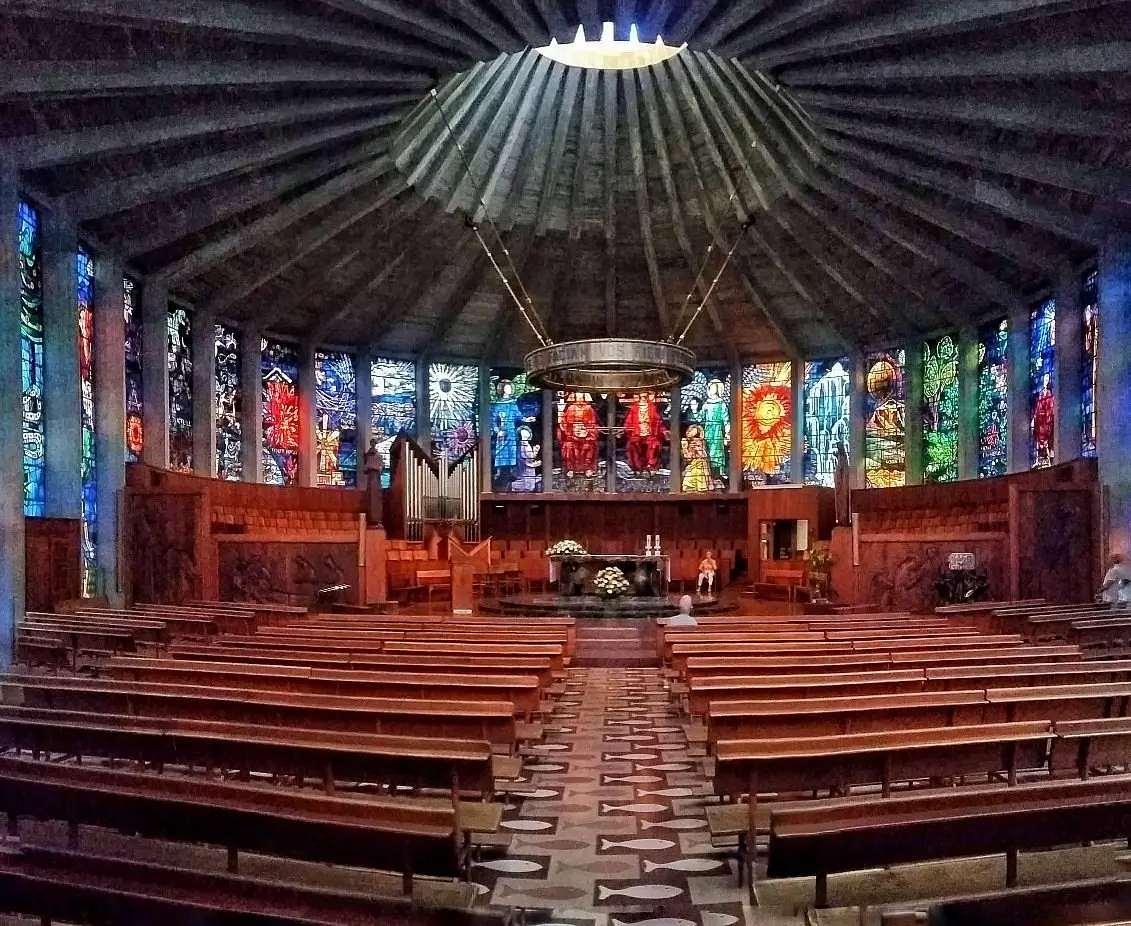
column 719, row 689
column 1081, row 746
column 493, row 721
column 947, row 824
column 1013, row 675
column 398, row 835
column 1066, row 702
column 181, row 623
column 1086, row 903
column 144, row 630
column 1102, row 635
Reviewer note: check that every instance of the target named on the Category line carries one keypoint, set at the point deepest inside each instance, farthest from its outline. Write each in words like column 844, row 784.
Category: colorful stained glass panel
column 1089, row 300
column 828, row 390
column 280, row 412
column 767, row 423
column 644, row 448
column 993, row 399
column 336, row 418
column 516, row 433
column 31, row 360
column 84, row 299
column 135, row 429
column 885, row 420
column 705, row 419
column 394, row 406
column 940, row 410
column 581, row 445
column 453, row 408
column 1042, row 384
column 228, row 406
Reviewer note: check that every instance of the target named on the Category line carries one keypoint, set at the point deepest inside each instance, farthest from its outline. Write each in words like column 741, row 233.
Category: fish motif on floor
column 662, row 921
column 530, row 826
column 527, row 843
column 627, row 756
column 559, row 808
column 640, row 892
column 551, row 892
column 627, row 710
column 634, row 808
column 536, row 793
column 550, row 747
column 668, row 792
column 510, row 866
column 718, row 919
column 637, row 845
column 680, row 823
column 630, row 738
column 630, row 723
column 666, row 730
column 633, row 779
column 480, row 889
column 684, row 864
column 664, row 767
column 609, row 866
column 546, row 768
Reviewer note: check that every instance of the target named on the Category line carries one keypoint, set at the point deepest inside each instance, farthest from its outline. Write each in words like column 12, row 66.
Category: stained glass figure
column 180, row 390
column 993, row 399
column 1089, row 300
column 705, row 417
column 31, row 361
column 827, row 391
column 135, row 430
column 643, row 449
column 885, row 422
column 767, row 423
column 453, row 408
column 229, row 401
column 516, row 433
column 280, row 412
column 581, row 443
column 940, row 410
column 1042, row 384
column 394, row 406
column 336, row 418
column 84, row 300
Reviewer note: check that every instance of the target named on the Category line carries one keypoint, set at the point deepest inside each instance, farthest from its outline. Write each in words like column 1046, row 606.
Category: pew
column 1068, row 702
column 1085, row 903
column 1102, row 634
column 1081, row 746
column 182, row 623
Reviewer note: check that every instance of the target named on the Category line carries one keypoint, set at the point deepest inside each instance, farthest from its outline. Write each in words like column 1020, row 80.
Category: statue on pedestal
column 373, row 465
column 842, row 485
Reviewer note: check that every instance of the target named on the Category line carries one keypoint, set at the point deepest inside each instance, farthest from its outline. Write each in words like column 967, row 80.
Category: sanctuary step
column 611, row 642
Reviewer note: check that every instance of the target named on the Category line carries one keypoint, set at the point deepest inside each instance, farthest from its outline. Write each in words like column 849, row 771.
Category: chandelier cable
column 525, row 304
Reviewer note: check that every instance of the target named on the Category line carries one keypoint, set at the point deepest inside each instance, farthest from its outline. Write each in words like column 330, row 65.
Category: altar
column 650, row 574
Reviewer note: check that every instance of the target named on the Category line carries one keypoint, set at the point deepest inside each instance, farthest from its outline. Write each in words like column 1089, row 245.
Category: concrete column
column 1113, row 392
column 12, row 554
column 251, row 402
column 797, row 393
column 203, row 394
column 109, row 417
column 968, row 403
column 674, row 438
column 856, row 417
column 155, row 372
column 62, row 389
column 363, row 368
column 423, row 421
column 736, row 428
column 914, row 412
column 486, row 461
column 1069, row 367
column 611, row 448
column 547, row 452
column 307, row 411
column 1019, row 411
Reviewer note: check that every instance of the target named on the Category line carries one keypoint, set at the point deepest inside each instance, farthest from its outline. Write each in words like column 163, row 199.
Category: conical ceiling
column 903, row 167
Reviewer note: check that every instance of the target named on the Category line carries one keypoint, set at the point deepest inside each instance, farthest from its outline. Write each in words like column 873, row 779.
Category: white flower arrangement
column 611, row 582
column 566, row 548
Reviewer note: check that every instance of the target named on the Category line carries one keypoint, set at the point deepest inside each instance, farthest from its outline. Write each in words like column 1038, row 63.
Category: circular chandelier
column 610, row 365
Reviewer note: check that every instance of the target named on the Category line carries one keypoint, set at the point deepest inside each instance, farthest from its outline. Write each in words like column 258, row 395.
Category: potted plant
column 611, row 583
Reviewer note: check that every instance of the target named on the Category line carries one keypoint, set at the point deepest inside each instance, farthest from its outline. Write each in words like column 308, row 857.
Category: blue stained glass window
column 394, row 406
column 885, row 420
column 940, row 410
column 84, row 298
column 705, row 418
column 280, row 413
column 453, row 408
column 516, row 433
column 180, row 390
column 993, row 399
column 31, row 360
column 828, row 391
column 336, row 412
column 767, row 423
column 228, row 405
column 1089, row 300
column 135, row 429
column 1042, row 384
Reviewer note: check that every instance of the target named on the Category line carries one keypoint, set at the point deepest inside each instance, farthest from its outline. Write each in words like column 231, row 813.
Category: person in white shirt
column 1117, row 583
column 684, row 618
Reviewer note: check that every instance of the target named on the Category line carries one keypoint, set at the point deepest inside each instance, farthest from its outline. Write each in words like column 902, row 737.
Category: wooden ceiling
column 901, row 166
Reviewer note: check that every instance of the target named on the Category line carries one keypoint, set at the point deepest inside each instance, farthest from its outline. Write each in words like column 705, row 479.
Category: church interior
column 565, row 462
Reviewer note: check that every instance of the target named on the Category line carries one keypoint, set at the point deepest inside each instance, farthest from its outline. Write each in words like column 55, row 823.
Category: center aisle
column 613, row 830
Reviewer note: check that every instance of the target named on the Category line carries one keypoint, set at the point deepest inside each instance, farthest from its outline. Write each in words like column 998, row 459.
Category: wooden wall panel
column 53, row 561
column 286, row 573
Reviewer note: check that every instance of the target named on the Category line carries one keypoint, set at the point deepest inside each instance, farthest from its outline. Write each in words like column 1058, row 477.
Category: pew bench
column 1085, row 903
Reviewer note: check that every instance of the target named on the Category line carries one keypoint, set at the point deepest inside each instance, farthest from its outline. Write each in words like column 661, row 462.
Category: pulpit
column 467, row 561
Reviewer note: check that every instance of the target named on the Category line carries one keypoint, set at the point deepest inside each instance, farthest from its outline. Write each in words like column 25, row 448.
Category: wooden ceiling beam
column 558, row 143
column 454, row 303
column 534, row 153
column 503, row 321
column 730, row 20
column 685, row 28
column 523, row 22
column 411, row 18
column 781, row 21
column 481, row 21
column 552, row 15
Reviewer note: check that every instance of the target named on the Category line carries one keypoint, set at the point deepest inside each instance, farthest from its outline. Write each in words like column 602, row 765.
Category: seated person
column 1117, row 583
column 707, row 569
column 684, row 618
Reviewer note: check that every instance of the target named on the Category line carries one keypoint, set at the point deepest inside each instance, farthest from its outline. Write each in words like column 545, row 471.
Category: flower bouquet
column 610, row 582
column 566, row 548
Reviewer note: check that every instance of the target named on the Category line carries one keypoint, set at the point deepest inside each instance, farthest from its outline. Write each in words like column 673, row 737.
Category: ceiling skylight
column 609, row 54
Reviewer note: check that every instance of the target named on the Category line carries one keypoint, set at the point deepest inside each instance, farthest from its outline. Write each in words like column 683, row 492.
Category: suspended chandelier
column 596, row 365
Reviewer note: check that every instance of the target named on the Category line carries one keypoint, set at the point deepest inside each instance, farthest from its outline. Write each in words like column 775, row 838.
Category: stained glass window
column 394, row 406
column 1042, row 384
column 993, row 399
column 180, row 390
column 767, row 423
column 336, row 418
column 229, row 424
column 135, row 430
column 644, row 447
column 453, row 408
column 828, row 391
column 885, row 421
column 280, row 413
column 516, row 433
column 84, row 300
column 704, row 416
column 31, row 360
column 1089, row 300
column 940, row 410
column 581, row 446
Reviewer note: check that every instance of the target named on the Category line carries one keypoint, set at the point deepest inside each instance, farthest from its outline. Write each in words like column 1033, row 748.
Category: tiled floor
column 613, row 830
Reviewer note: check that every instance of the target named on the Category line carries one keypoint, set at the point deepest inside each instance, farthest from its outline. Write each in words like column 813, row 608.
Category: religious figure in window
column 766, row 427
column 696, row 461
column 506, row 418
column 526, row 478
column 1044, row 423
column 577, row 431
column 716, row 424
column 646, row 432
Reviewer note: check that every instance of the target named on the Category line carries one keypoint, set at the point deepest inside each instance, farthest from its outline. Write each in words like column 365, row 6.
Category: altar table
column 649, row 574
